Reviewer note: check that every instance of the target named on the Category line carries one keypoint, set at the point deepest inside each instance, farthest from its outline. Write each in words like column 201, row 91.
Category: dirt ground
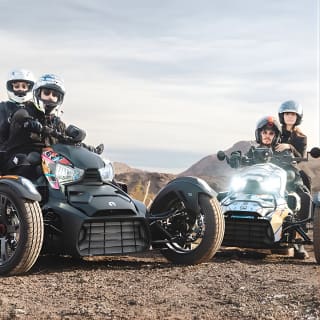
column 235, row 284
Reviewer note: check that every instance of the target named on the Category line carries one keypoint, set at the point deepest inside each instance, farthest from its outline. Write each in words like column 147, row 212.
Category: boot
column 300, row 252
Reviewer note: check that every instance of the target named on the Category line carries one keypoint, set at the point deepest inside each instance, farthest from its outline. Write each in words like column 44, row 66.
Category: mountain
column 145, row 185
column 210, row 165
column 217, row 173
column 142, row 185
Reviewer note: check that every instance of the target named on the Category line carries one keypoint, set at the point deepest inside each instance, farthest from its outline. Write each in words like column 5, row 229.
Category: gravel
column 235, row 284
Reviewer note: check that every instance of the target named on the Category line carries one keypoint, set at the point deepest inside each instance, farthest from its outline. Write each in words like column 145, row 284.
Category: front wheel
column 21, row 232
column 194, row 238
column 316, row 234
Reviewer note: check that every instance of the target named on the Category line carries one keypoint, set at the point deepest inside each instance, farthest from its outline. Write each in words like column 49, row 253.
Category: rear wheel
column 316, row 234
column 21, row 232
column 194, row 238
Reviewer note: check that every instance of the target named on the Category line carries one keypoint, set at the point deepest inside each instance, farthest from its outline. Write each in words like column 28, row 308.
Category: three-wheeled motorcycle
column 75, row 207
column 262, row 207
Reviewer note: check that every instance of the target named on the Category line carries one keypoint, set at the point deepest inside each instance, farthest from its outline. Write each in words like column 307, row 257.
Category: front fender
column 23, row 187
column 187, row 189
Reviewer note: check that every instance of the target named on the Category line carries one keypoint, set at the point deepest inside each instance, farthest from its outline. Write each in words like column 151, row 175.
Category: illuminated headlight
column 66, row 174
column 237, row 183
column 107, row 172
column 271, row 184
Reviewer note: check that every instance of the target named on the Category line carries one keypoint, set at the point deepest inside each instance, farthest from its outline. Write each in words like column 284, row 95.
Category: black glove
column 99, row 149
column 235, row 159
column 33, row 125
column 50, row 132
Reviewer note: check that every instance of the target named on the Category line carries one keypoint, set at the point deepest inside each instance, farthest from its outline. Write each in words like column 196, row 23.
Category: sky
column 165, row 83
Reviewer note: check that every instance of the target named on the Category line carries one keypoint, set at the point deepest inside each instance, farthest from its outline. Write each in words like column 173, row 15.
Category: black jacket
column 298, row 143
column 23, row 139
column 7, row 108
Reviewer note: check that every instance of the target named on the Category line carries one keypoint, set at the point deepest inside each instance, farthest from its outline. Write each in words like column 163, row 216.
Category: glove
column 33, row 125
column 235, row 160
column 99, row 149
column 50, row 132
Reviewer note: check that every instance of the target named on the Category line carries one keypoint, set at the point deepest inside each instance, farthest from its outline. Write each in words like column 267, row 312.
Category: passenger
column 292, row 138
column 19, row 89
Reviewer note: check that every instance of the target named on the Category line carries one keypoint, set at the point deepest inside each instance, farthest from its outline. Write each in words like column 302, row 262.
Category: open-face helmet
column 290, row 106
column 269, row 123
column 20, row 75
column 52, row 83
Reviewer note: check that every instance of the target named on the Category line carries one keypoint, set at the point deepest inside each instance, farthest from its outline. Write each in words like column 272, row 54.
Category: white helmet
column 52, row 82
column 20, row 75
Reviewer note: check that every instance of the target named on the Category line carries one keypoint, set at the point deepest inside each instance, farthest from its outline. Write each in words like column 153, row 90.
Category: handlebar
column 49, row 132
column 259, row 155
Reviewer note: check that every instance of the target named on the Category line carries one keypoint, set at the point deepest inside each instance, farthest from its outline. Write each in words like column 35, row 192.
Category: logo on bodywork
column 112, row 204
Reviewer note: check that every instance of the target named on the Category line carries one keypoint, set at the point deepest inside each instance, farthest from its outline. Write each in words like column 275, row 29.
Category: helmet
column 290, row 106
column 48, row 81
column 20, row 75
column 268, row 122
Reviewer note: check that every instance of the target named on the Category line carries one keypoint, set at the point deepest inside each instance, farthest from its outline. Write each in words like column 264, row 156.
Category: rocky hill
column 216, row 173
column 143, row 185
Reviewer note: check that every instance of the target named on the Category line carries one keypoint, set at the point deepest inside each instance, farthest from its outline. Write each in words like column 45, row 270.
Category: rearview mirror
column 315, row 152
column 221, row 155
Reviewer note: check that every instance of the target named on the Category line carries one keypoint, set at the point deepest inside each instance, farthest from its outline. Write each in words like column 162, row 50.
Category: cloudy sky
column 166, row 83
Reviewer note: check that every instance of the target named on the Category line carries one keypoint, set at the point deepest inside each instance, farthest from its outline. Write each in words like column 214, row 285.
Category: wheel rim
column 9, row 229
column 186, row 228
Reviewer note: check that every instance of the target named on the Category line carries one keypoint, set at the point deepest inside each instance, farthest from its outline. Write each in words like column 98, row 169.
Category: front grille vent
column 248, row 233
column 98, row 238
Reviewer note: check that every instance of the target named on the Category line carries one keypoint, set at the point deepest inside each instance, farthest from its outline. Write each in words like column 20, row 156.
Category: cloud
column 175, row 75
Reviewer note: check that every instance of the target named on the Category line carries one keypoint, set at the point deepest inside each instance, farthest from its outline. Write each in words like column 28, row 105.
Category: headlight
column 66, row 174
column 237, row 183
column 107, row 172
column 271, row 184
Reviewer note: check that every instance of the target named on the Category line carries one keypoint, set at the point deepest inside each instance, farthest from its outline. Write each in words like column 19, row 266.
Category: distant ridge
column 210, row 165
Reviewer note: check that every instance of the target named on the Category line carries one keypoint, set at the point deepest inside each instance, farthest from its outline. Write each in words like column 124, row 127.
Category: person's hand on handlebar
column 282, row 147
column 33, row 125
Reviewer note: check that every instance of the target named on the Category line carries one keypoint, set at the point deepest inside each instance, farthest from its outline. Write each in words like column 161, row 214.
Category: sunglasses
column 20, row 86
column 48, row 92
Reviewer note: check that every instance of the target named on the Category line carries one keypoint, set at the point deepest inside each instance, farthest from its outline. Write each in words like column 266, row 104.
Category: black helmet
column 268, row 122
column 290, row 106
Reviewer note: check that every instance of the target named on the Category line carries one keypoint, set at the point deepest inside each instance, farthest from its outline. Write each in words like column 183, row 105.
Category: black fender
column 186, row 189
column 23, row 187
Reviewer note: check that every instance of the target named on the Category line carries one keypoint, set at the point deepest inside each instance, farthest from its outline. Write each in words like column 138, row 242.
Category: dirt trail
column 235, row 284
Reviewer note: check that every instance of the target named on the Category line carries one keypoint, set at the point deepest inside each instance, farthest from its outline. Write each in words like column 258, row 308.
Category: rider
column 19, row 89
column 30, row 131
column 268, row 134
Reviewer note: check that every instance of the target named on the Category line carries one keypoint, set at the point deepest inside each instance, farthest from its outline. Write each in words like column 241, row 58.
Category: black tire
column 21, row 232
column 316, row 234
column 210, row 241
